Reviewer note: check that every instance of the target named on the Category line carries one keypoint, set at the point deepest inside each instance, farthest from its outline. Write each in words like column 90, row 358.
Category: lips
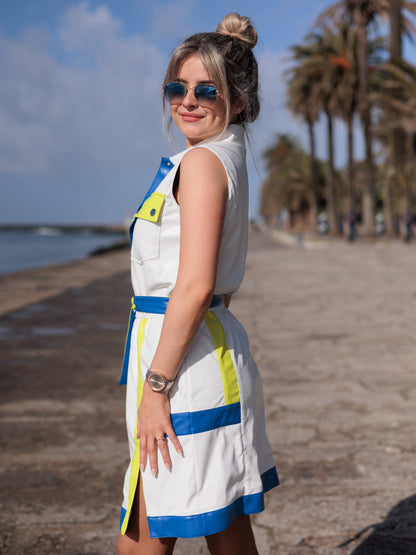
column 190, row 117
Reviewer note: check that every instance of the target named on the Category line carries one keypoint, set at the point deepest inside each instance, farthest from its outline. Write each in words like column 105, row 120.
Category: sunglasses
column 206, row 95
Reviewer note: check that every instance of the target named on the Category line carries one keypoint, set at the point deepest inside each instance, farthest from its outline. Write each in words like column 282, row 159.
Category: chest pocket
column 146, row 238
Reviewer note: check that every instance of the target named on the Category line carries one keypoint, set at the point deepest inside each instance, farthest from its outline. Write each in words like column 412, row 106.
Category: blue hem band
column 212, row 522
column 270, row 479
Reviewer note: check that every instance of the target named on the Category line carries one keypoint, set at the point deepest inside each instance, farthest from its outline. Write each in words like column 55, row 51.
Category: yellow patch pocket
column 146, row 235
column 152, row 208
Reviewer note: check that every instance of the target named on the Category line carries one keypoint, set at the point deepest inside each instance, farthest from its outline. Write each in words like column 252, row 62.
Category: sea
column 24, row 248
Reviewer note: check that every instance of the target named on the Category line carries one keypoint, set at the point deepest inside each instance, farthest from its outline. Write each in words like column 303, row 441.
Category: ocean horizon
column 36, row 246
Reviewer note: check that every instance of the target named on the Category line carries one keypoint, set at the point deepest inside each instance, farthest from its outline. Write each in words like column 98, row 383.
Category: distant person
column 408, row 220
column 351, row 225
column 200, row 458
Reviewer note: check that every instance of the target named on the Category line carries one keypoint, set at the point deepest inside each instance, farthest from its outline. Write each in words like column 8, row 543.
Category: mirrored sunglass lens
column 206, row 93
column 174, row 91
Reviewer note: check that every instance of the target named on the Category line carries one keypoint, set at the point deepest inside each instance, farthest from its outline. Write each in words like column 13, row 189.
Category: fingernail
column 154, row 471
column 168, row 466
column 142, row 467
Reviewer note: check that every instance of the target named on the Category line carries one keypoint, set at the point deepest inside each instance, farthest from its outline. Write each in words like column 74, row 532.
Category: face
column 196, row 122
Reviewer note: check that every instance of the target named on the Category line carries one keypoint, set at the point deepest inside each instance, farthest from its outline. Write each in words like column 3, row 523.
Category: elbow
column 202, row 296
column 199, row 295
column 205, row 298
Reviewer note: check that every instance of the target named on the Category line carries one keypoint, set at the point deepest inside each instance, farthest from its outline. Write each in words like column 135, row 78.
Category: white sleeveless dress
column 217, row 400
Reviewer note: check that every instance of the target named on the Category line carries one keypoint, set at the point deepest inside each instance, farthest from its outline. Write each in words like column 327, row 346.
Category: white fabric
column 155, row 247
column 222, row 468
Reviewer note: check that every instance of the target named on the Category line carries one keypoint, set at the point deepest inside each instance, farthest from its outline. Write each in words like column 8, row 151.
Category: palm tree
column 363, row 14
column 288, row 184
column 338, row 87
column 328, row 67
column 313, row 86
column 398, row 102
column 398, row 26
column 303, row 102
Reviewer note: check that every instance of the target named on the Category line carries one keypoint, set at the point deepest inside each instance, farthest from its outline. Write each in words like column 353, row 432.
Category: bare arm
column 202, row 195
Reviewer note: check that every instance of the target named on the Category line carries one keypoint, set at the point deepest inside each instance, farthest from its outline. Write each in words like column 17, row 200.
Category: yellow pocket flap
column 152, row 208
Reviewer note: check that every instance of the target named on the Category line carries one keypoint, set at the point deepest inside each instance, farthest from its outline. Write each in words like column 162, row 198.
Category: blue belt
column 153, row 305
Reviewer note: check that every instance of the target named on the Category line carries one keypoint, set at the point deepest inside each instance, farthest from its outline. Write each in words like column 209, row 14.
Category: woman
column 200, row 459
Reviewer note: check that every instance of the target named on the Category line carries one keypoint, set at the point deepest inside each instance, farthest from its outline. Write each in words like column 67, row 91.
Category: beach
column 331, row 327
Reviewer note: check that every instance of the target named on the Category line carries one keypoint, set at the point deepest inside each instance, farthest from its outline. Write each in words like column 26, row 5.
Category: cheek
column 220, row 109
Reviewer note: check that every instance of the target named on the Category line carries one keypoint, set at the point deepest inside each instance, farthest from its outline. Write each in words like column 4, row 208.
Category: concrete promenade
column 332, row 327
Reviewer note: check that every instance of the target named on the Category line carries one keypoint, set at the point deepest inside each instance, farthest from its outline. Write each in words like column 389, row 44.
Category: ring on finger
column 160, row 438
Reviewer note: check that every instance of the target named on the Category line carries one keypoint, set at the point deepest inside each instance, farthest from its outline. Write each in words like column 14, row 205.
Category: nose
column 189, row 98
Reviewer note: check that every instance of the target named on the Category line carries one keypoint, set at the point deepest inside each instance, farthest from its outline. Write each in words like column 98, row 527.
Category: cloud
column 81, row 105
column 173, row 19
column 95, row 111
column 84, row 29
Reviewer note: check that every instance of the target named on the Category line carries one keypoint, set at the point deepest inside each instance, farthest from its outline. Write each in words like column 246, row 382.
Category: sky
column 81, row 132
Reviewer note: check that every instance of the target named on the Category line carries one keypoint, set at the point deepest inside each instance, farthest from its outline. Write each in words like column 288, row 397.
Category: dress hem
column 212, row 522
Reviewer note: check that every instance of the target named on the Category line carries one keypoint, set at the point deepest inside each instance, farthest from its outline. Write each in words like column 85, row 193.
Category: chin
column 198, row 137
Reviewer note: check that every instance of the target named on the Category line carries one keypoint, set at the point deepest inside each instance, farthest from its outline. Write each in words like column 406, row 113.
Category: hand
column 153, row 425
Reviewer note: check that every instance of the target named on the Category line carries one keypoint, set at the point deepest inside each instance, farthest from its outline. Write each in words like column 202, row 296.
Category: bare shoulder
column 205, row 164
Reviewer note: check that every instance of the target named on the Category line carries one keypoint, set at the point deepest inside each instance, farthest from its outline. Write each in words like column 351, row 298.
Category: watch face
column 156, row 382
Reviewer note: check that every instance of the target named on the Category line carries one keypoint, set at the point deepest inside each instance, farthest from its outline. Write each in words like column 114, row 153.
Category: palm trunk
column 364, row 110
column 410, row 167
column 410, row 170
column 368, row 192
column 349, row 213
column 397, row 139
column 314, row 177
column 406, row 219
column 395, row 11
column 330, row 185
column 388, row 201
column 388, row 209
column 350, row 174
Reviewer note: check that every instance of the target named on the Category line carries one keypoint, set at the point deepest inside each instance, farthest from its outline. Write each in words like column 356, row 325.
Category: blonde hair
column 228, row 58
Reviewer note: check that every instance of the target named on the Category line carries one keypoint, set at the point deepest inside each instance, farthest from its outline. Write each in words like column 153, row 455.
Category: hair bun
column 239, row 27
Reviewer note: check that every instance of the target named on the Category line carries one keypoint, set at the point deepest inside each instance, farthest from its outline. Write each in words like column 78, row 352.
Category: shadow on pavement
column 395, row 535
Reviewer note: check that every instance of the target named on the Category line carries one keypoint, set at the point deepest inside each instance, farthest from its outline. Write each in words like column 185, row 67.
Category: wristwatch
column 158, row 382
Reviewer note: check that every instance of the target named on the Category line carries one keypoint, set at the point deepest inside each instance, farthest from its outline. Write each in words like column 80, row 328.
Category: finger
column 175, row 441
column 152, row 452
column 164, row 451
column 143, row 453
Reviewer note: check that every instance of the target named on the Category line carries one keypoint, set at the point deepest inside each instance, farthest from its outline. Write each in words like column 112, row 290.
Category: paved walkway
column 333, row 332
